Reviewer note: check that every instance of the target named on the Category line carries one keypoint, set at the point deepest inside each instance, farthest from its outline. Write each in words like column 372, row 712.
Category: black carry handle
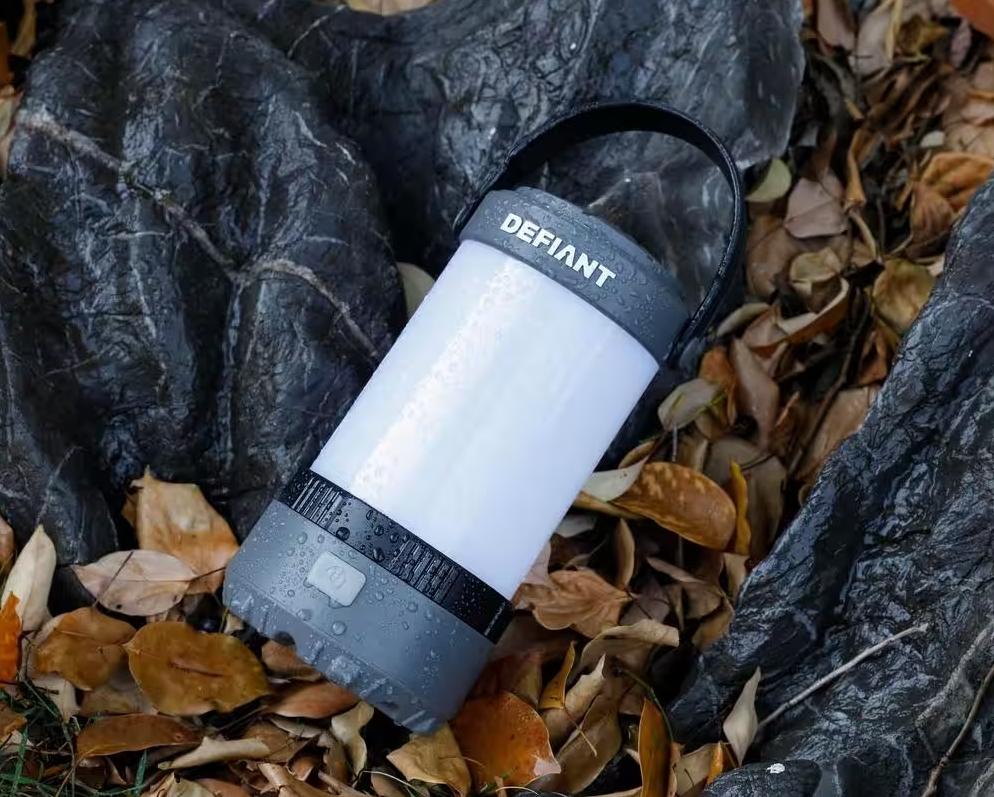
column 598, row 119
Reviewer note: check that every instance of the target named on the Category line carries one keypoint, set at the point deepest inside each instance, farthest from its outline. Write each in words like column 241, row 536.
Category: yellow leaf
column 554, row 694
column 774, row 183
column 577, row 598
column 186, row 672
column 683, row 501
column 132, row 732
column 84, row 648
column 10, row 639
column 654, row 742
column 503, row 737
column 434, row 759
column 561, row 721
column 900, row 292
column 955, row 176
column 740, row 494
column 176, row 519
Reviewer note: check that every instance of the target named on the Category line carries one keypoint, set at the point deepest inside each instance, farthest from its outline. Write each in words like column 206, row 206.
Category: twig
column 932, row 787
column 834, row 674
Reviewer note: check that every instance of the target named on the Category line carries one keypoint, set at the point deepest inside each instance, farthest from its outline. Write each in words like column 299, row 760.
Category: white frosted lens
column 486, row 417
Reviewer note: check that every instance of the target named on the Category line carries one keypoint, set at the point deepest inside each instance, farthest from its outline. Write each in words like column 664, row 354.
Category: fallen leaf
column 735, row 568
column 138, row 583
column 177, row 520
column 434, row 759
column 502, row 736
column 621, row 641
column 713, row 627
column 518, row 673
column 955, row 176
column 335, row 761
column 834, row 24
column 847, row 413
column 283, row 746
column 171, row 787
column 416, row 283
column 131, row 733
column 874, row 50
column 221, row 788
column 756, row 394
column 624, row 554
column 577, row 598
column 212, row 750
column 774, row 183
column 766, row 339
column 609, row 484
column 386, row 785
column 60, row 692
column 554, row 694
column 741, row 724
column 186, row 672
column 654, row 743
column 315, row 701
column 979, row 13
column 740, row 494
column 932, row 216
column 8, row 547
column 30, row 580
column 119, row 695
column 84, row 648
column 717, row 368
column 769, row 249
column 808, row 271
column 304, row 766
column 590, row 748
column 562, row 721
column 538, row 573
column 10, row 722
column 347, row 729
column 807, row 326
column 814, row 208
column 286, row 785
column 10, row 640
column 693, row 769
column 282, row 660
column 387, row 8
column 702, row 597
column 740, row 317
column 683, row 501
column 900, row 292
column 296, row 728
column 685, row 404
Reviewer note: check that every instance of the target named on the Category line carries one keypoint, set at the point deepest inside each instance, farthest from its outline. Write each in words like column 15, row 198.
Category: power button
column 336, row 578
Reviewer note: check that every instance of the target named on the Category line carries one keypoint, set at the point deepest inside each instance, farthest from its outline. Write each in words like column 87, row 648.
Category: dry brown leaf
column 119, row 695
column 502, row 736
column 685, row 404
column 220, row 788
column 387, row 7
column 683, row 501
column 808, row 326
column 735, row 567
column 314, row 701
column 334, row 759
column 60, row 692
column 212, row 750
column 847, row 413
column 834, row 23
column 624, row 554
column 171, row 787
column 554, row 694
column 609, row 484
column 769, row 249
column 30, row 580
column 8, row 547
column 741, row 724
column 186, row 672
column 814, row 208
column 284, row 784
column 654, row 746
column 767, row 340
column 176, row 519
column 900, row 292
column 740, row 494
column 590, row 748
column 347, row 729
column 538, row 573
column 624, row 640
column 694, row 769
column 282, row 660
column 385, row 785
column 980, row 14
column 562, row 721
column 138, row 583
column 84, row 648
column 810, row 270
column 10, row 640
column 577, row 598
column 955, row 176
column 717, row 368
column 434, row 759
column 10, row 721
column 131, row 733
column 282, row 745
column 518, row 673
column 757, row 395
column 932, row 216
column 713, row 627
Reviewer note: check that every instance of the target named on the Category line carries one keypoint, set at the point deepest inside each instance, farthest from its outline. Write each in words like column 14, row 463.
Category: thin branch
column 932, row 787
column 835, row 674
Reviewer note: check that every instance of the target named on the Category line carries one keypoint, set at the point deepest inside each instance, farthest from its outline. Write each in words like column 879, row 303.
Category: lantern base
column 358, row 612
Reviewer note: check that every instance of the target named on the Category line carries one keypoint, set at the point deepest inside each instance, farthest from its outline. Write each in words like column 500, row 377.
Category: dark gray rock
column 896, row 534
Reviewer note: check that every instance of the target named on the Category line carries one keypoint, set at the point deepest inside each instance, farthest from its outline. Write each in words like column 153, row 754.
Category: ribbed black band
column 399, row 552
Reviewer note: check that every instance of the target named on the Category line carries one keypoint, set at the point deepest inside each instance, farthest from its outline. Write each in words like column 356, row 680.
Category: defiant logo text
column 531, row 233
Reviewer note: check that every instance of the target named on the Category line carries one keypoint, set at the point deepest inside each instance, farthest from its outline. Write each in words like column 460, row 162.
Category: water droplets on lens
column 412, row 606
column 302, row 539
column 338, row 628
column 342, row 533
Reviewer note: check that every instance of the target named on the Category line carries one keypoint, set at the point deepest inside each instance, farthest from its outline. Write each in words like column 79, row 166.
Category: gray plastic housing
column 585, row 254
column 392, row 646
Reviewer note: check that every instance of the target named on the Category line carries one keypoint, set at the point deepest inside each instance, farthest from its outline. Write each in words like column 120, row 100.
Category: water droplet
column 428, row 614
column 304, row 614
column 394, row 536
column 406, row 625
column 378, row 595
column 412, row 606
column 370, row 514
column 320, row 539
column 338, row 628
column 290, row 593
column 378, row 555
column 302, row 539
column 291, row 552
column 342, row 533
column 378, row 531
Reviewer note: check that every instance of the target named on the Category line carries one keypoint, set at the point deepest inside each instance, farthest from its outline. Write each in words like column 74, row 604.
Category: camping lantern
column 389, row 562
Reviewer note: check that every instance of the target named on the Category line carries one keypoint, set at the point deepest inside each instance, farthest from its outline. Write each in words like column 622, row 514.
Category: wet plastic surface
column 195, row 274
column 897, row 533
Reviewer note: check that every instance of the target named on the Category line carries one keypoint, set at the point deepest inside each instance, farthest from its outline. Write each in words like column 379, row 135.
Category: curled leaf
column 683, row 501
column 561, row 721
column 518, row 673
column 654, row 747
column 955, row 176
column 774, row 183
column 591, row 747
column 686, row 403
column 577, row 598
column 186, row 672
column 315, row 701
column 212, row 750
column 10, row 640
column 741, row 724
column 282, row 660
column 30, row 580
column 609, row 484
column 622, row 641
column 139, row 583
column 434, row 759
column 347, row 729
column 131, row 733
column 503, row 737
column 554, row 694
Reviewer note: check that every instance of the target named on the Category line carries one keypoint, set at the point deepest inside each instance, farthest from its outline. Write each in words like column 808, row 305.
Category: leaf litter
column 171, row 697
